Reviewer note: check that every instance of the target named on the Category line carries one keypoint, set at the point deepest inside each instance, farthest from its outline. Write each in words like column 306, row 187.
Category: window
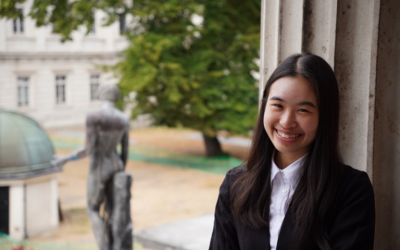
column 93, row 28
column 94, row 87
column 52, row 28
column 18, row 23
column 122, row 23
column 60, row 89
column 23, row 91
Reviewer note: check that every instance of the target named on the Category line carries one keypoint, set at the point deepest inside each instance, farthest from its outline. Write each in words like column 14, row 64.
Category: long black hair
column 316, row 191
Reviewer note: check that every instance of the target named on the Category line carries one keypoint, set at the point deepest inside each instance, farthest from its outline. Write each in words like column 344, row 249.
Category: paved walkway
column 190, row 234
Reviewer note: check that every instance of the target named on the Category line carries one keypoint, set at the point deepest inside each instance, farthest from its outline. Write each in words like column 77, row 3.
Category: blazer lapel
column 287, row 237
column 251, row 238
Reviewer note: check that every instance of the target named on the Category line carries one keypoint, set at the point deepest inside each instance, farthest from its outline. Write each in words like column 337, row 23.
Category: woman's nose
column 288, row 120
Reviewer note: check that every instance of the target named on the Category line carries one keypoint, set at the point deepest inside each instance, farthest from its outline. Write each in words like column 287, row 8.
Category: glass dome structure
column 25, row 149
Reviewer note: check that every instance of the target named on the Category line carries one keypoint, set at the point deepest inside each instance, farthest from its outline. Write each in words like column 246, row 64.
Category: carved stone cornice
column 11, row 56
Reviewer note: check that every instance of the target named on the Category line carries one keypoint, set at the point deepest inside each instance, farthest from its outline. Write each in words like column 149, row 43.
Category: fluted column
column 360, row 39
column 386, row 153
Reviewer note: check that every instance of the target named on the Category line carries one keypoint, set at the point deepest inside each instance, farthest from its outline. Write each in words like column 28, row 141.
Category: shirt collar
column 292, row 172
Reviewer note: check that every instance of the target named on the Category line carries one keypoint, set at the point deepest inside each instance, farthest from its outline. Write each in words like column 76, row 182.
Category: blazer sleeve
column 354, row 226
column 224, row 236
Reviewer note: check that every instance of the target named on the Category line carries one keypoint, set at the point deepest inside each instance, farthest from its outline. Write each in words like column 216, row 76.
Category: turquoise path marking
column 215, row 165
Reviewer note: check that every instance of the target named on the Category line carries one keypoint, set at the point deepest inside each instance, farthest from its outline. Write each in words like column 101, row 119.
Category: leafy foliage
column 65, row 15
column 192, row 73
column 189, row 61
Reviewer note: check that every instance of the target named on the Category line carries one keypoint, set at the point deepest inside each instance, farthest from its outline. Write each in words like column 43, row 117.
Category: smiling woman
column 291, row 118
column 294, row 192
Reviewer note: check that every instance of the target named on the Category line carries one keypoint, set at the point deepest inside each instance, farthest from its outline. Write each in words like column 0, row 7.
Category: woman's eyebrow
column 307, row 103
column 304, row 103
column 275, row 98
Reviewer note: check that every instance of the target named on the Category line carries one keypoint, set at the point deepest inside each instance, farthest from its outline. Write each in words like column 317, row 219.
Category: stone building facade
column 51, row 81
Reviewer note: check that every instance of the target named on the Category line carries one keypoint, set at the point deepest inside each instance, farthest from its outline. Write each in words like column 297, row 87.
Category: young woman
column 294, row 192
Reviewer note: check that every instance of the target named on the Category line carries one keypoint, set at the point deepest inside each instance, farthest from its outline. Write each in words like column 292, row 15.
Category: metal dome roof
column 25, row 149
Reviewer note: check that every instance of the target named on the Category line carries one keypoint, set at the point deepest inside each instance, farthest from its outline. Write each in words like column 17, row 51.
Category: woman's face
column 291, row 117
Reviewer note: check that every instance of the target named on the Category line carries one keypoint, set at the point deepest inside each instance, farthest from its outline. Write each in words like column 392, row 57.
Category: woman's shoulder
column 231, row 176
column 354, row 176
column 355, row 184
column 239, row 170
column 235, row 172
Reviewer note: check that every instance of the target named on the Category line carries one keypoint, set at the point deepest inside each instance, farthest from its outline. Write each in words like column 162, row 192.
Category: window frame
column 23, row 86
column 92, row 30
column 60, row 89
column 122, row 23
column 18, row 29
column 94, row 84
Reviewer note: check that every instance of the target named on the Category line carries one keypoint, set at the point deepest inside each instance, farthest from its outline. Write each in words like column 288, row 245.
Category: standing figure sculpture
column 108, row 186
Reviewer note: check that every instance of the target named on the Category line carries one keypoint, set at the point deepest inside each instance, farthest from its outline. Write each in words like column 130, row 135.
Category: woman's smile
column 287, row 136
column 291, row 117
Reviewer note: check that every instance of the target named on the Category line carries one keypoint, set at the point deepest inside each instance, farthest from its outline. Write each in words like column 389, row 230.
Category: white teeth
column 287, row 136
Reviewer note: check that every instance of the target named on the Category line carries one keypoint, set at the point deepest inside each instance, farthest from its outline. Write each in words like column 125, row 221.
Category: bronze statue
column 108, row 186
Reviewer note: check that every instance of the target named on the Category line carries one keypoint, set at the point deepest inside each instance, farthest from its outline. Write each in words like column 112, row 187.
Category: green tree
column 195, row 74
column 190, row 62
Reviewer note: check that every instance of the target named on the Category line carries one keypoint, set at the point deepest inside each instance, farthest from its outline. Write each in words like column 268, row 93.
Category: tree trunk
column 213, row 147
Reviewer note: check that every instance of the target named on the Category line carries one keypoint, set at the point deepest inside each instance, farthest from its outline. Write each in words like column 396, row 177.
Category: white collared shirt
column 283, row 185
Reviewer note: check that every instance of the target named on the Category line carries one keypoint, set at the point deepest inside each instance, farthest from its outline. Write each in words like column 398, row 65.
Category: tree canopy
column 190, row 62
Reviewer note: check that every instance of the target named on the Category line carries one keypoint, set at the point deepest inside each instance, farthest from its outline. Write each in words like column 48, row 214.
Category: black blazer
column 353, row 222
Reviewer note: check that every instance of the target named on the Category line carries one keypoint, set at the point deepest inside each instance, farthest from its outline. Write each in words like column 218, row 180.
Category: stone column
column 355, row 68
column 17, row 212
column 386, row 144
column 361, row 41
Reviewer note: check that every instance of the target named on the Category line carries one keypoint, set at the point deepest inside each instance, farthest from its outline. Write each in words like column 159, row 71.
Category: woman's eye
column 303, row 110
column 277, row 105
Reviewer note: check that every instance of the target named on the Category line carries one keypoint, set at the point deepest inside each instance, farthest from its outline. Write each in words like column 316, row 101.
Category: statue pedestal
column 121, row 223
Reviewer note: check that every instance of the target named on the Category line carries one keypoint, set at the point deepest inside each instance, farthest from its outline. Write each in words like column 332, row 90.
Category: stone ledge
column 58, row 56
column 191, row 234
